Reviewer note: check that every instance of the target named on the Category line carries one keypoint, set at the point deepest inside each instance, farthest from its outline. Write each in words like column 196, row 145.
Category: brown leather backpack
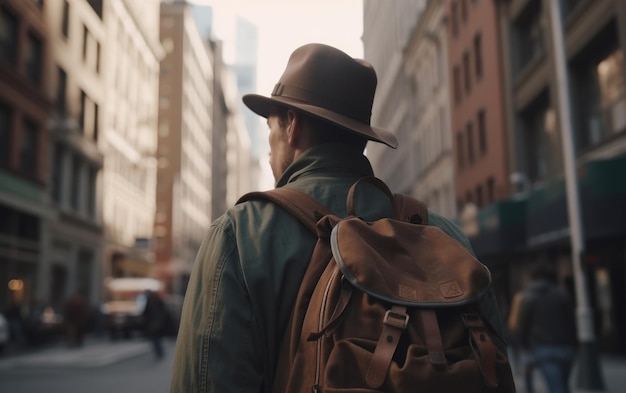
column 386, row 306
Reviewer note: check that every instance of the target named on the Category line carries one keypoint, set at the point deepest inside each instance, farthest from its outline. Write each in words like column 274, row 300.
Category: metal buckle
column 395, row 322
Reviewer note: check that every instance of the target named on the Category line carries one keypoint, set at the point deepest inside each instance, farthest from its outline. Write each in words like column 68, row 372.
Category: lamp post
column 589, row 374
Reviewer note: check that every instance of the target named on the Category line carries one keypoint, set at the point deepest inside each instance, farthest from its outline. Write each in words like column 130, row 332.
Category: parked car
column 125, row 301
column 4, row 332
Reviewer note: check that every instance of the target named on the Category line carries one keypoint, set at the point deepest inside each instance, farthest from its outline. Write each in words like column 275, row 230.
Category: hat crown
column 323, row 76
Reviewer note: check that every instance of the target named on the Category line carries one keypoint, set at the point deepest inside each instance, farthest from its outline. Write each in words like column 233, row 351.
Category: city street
column 98, row 367
column 129, row 367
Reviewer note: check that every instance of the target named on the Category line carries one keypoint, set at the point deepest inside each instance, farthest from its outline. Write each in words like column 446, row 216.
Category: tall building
column 131, row 56
column 75, row 233
column 185, row 146
column 431, row 164
column 387, row 28
column 594, row 45
column 25, row 109
column 478, row 105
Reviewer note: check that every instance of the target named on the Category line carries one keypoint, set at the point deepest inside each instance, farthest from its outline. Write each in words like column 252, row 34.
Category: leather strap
column 484, row 349
column 297, row 203
column 432, row 335
column 394, row 323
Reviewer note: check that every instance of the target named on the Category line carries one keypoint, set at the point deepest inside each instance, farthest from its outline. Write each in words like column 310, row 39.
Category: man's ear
column 293, row 127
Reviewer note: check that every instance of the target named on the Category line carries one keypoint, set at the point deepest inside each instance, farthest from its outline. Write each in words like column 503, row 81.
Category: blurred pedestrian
column 155, row 319
column 13, row 314
column 522, row 357
column 76, row 316
column 547, row 327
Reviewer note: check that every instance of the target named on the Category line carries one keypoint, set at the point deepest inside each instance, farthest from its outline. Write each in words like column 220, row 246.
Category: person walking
column 76, row 316
column 521, row 356
column 249, row 267
column 154, row 318
column 547, row 328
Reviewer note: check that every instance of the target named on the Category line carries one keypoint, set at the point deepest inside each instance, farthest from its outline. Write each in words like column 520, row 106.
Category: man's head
column 323, row 95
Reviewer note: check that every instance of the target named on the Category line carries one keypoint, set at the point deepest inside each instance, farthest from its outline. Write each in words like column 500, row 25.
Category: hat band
column 361, row 114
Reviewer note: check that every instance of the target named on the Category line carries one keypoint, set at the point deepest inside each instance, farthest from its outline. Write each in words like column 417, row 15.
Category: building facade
column 131, row 59
column 25, row 110
column 184, row 146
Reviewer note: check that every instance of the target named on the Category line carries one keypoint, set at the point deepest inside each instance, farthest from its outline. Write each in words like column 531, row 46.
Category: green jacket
column 248, row 270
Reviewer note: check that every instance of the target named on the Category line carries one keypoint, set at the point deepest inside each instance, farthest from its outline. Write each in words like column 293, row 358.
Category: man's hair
column 324, row 132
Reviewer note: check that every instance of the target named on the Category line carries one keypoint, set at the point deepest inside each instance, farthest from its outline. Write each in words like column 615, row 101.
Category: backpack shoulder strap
column 297, row 203
column 408, row 207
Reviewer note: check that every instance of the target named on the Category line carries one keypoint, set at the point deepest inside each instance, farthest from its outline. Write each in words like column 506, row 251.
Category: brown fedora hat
column 329, row 84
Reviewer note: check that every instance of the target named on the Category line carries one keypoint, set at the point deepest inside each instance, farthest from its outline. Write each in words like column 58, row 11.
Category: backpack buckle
column 400, row 321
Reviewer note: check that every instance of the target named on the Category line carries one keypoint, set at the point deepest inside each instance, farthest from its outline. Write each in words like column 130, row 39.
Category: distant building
column 131, row 57
column 25, row 111
column 185, row 146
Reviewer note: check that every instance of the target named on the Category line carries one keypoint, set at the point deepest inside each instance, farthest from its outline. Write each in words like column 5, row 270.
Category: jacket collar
column 326, row 159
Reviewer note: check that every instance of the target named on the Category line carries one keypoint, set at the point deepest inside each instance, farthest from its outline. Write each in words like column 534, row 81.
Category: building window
column 61, row 91
column 57, row 173
column 467, row 73
column 29, row 149
column 455, row 18
column 478, row 55
column 482, row 132
column 91, row 193
column 491, row 190
column 65, row 22
column 96, row 5
column 8, row 36
column 82, row 114
column 85, row 41
column 599, row 90
column 34, row 59
column 457, row 84
column 470, row 143
column 98, row 50
column 527, row 36
column 460, row 149
column 96, row 127
column 75, row 184
column 5, row 134
column 539, row 139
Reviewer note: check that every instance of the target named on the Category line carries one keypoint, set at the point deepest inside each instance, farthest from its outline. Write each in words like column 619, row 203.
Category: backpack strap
column 297, row 203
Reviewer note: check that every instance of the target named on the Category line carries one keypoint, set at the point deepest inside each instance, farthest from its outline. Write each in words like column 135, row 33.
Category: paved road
column 98, row 367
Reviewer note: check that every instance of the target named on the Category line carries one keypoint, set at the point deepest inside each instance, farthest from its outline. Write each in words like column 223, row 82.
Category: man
column 248, row 270
column 547, row 328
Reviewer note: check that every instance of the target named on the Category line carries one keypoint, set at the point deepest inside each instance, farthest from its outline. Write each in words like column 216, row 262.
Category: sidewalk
column 96, row 352
column 613, row 372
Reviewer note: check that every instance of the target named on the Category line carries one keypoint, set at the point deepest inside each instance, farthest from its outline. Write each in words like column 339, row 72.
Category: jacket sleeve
column 216, row 348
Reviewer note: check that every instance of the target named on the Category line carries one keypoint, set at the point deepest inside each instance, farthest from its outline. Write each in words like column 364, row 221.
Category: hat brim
column 262, row 105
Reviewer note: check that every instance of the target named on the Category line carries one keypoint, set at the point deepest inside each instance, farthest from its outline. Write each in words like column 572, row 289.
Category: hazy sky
column 283, row 25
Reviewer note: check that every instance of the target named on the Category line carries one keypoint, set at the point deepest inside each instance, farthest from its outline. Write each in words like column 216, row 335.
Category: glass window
column 85, row 41
column 470, row 143
column 540, row 139
column 34, row 59
column 482, row 132
column 457, row 84
column 57, row 173
column 61, row 91
column 29, row 148
column 82, row 113
column 478, row 55
column 528, row 36
column 8, row 36
column 5, row 134
column 65, row 22
column 467, row 73
column 460, row 148
column 75, row 184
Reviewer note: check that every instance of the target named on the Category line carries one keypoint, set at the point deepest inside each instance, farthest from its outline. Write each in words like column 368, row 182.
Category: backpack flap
column 408, row 264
